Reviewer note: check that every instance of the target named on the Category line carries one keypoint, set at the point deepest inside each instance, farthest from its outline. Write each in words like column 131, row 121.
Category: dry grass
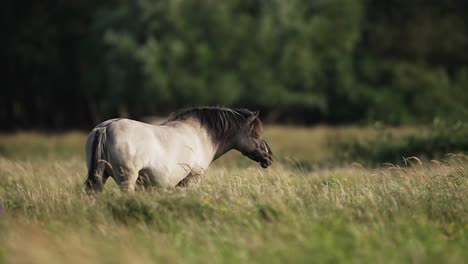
column 238, row 213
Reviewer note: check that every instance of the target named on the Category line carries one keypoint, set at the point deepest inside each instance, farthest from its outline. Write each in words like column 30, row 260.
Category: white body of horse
column 165, row 154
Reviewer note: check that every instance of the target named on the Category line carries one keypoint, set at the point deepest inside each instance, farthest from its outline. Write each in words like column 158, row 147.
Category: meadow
column 312, row 205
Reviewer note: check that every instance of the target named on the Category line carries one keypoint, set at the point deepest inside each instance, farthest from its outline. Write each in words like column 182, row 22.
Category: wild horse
column 137, row 154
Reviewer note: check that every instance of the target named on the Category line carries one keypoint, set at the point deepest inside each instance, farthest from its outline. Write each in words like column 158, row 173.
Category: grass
column 342, row 212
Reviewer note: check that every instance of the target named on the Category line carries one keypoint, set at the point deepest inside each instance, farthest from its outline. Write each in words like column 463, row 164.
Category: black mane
column 221, row 122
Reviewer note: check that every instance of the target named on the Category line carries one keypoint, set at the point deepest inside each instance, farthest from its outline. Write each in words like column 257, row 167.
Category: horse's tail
column 98, row 161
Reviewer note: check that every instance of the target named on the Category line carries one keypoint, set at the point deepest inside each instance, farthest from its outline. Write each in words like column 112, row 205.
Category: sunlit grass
column 238, row 213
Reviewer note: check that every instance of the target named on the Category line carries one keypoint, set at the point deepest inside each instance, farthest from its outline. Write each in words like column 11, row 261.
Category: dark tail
column 98, row 162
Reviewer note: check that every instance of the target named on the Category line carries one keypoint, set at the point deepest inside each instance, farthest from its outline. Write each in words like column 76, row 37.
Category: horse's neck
column 222, row 148
column 212, row 149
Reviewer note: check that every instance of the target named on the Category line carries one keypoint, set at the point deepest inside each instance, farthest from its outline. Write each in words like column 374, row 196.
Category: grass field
column 308, row 207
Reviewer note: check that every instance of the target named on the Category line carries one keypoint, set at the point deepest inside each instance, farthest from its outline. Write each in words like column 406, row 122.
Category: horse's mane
column 221, row 122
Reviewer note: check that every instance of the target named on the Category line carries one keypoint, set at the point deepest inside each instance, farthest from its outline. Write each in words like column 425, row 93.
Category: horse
column 141, row 155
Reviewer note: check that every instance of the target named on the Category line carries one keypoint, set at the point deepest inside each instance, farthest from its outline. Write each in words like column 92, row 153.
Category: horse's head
column 250, row 143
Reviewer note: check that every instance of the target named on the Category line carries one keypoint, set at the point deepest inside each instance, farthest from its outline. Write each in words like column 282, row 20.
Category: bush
column 439, row 140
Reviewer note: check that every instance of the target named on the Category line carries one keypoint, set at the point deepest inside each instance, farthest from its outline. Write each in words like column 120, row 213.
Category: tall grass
column 415, row 213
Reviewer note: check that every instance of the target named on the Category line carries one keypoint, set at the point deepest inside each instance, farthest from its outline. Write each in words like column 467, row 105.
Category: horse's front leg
column 190, row 180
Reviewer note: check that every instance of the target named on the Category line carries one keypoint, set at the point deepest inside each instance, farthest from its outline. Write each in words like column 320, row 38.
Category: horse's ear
column 253, row 117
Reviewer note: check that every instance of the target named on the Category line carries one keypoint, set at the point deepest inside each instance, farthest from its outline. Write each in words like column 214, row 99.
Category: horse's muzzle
column 265, row 163
column 262, row 154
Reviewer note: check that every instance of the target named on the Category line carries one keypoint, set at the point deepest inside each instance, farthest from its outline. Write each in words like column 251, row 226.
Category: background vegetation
column 432, row 142
column 71, row 64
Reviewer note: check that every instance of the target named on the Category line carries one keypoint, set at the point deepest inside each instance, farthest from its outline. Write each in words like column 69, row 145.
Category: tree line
column 71, row 64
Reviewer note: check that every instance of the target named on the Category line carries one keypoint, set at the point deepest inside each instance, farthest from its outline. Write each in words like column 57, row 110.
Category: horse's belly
column 170, row 167
column 170, row 176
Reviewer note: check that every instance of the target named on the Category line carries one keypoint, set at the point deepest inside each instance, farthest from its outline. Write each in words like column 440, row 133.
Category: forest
column 71, row 64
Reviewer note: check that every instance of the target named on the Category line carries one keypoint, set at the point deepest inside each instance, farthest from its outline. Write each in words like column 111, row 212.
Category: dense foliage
column 75, row 63
column 438, row 142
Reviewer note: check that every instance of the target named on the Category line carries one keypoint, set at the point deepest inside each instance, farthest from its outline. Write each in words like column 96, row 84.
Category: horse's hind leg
column 96, row 183
column 126, row 179
column 143, row 182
